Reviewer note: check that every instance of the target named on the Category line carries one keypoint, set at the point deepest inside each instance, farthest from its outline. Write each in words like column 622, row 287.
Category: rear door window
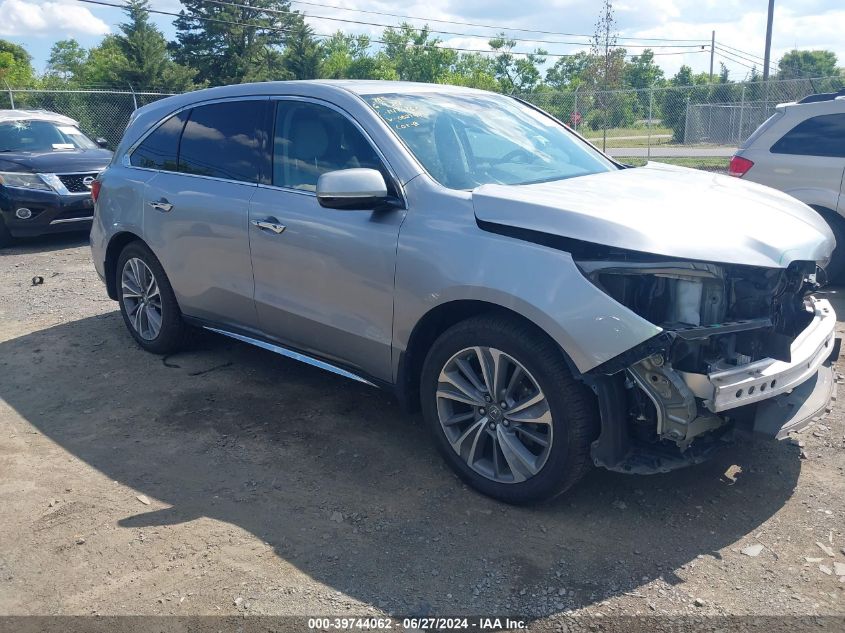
column 227, row 140
column 819, row 136
column 161, row 148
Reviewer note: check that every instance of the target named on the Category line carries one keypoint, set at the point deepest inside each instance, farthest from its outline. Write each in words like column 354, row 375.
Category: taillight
column 739, row 166
column 95, row 189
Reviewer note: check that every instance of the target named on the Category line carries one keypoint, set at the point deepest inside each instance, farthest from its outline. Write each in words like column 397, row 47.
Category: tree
column 302, row 56
column 15, row 64
column 567, row 73
column 66, row 59
column 347, row 57
column 416, row 55
column 103, row 64
column 231, row 44
column 724, row 73
column 516, row 74
column 607, row 67
column 642, row 74
column 146, row 61
column 807, row 64
column 473, row 70
column 675, row 100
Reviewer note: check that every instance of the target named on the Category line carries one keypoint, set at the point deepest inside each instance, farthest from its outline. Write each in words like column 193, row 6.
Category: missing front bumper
column 732, row 387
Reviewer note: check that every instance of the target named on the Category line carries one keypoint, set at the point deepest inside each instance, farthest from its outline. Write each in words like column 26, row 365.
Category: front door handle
column 162, row 205
column 269, row 225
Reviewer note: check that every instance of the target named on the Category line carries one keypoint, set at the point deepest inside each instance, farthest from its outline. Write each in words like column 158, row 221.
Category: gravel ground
column 226, row 480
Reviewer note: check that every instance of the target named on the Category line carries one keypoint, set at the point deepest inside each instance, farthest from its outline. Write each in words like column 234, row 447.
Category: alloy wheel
column 494, row 414
column 141, row 298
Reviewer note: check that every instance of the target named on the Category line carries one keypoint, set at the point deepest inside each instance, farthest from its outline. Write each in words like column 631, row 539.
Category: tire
column 569, row 410
column 171, row 334
column 6, row 238
column 836, row 267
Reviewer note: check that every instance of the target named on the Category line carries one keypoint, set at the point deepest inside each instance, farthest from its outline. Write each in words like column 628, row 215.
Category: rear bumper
column 727, row 389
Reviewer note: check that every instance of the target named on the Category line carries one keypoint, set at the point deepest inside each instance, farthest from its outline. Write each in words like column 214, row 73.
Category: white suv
column 800, row 150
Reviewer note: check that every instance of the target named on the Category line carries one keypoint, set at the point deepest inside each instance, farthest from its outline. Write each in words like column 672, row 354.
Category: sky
column 740, row 25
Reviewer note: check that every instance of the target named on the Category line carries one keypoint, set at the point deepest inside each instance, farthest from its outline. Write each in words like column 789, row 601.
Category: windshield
column 466, row 140
column 41, row 136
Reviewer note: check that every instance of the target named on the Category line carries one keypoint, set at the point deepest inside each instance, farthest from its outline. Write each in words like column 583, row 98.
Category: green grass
column 707, row 163
column 659, row 136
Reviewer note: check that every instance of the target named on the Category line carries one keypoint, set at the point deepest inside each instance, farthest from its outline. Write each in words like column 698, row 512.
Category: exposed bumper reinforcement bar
column 767, row 378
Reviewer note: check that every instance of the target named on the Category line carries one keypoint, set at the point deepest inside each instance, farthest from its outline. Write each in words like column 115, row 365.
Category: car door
column 196, row 214
column 810, row 157
column 323, row 277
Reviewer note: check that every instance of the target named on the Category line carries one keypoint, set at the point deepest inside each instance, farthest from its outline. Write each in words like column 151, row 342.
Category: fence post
column 650, row 110
column 740, row 135
column 686, row 119
column 11, row 95
column 575, row 118
column 134, row 99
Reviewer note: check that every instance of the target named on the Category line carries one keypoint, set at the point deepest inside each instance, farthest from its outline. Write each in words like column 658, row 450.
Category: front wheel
column 505, row 411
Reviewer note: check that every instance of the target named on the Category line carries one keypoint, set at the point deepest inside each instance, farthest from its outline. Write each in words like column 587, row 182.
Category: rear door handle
column 270, row 225
column 162, row 205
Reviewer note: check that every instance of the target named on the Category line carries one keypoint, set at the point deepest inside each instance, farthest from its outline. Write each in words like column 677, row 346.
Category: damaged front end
column 740, row 344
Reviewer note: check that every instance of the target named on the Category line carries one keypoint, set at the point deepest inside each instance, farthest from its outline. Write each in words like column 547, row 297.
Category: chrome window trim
column 327, row 104
column 126, row 159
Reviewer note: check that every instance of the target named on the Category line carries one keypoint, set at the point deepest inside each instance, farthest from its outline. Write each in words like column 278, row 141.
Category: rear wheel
column 147, row 302
column 505, row 411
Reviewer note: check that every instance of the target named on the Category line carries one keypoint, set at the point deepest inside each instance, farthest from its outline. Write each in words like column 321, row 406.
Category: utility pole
column 767, row 55
column 712, row 52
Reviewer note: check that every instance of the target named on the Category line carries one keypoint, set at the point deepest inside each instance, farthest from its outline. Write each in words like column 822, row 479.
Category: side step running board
column 288, row 353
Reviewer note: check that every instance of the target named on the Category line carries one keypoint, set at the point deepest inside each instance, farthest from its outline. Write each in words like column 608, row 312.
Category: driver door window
column 310, row 140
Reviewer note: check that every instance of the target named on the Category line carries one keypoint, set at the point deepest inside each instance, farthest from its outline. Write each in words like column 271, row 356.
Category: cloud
column 22, row 18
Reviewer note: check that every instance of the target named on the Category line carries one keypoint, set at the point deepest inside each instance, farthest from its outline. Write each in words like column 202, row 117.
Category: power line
column 323, row 5
column 724, row 55
column 430, row 30
column 749, row 57
column 739, row 50
column 742, row 57
column 377, row 41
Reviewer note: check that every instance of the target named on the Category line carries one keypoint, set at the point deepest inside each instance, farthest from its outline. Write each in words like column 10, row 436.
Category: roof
column 367, row 86
column 36, row 115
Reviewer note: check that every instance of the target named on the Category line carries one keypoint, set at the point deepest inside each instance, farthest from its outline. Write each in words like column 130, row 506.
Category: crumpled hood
column 666, row 210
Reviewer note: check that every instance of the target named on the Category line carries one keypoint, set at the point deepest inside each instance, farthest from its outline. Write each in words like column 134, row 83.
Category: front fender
column 445, row 257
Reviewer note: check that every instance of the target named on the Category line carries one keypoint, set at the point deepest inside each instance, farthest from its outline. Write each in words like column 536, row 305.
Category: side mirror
column 102, row 142
column 356, row 188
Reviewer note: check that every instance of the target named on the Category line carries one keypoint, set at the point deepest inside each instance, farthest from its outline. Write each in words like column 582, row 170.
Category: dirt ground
column 227, row 480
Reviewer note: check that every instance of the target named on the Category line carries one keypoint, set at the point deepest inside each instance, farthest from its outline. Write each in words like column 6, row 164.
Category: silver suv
column 547, row 308
column 800, row 149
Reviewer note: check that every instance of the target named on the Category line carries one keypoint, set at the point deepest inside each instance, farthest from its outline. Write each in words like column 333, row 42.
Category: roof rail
column 823, row 96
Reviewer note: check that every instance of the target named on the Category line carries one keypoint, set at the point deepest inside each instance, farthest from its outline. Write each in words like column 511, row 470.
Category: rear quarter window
column 822, row 135
column 160, row 149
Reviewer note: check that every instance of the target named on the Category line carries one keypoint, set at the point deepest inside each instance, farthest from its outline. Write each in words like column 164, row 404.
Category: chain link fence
column 101, row 113
column 701, row 121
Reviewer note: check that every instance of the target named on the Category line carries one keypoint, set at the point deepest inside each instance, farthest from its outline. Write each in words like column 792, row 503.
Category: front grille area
column 74, row 182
